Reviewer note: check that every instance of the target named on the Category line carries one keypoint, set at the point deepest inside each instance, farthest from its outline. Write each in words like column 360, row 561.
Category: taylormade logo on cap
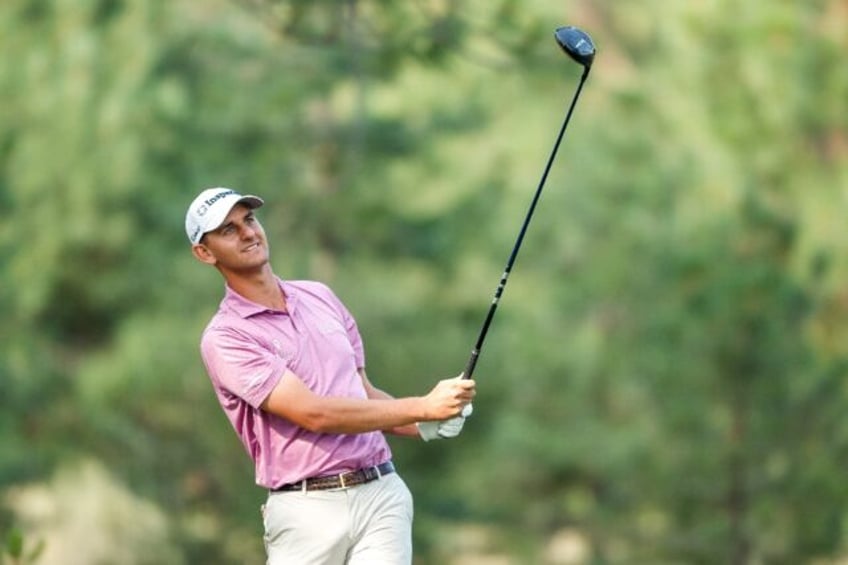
column 210, row 209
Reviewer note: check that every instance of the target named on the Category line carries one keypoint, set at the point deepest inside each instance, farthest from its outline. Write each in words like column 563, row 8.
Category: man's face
column 239, row 243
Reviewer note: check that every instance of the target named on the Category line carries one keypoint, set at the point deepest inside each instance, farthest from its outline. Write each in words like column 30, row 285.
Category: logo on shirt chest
column 282, row 351
column 326, row 327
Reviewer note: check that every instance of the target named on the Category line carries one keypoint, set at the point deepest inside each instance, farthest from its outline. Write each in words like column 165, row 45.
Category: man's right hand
column 449, row 397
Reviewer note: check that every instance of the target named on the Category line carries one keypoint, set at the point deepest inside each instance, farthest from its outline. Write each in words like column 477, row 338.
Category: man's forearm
column 344, row 415
column 353, row 416
column 408, row 430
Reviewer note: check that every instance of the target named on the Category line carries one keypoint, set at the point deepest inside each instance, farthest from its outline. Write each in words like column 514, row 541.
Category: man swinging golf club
column 288, row 367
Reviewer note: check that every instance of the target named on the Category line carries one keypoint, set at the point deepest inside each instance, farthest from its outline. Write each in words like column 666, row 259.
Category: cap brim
column 252, row 201
column 214, row 222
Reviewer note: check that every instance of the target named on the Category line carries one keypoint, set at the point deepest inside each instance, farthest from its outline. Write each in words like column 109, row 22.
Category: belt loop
column 379, row 474
column 342, row 480
column 303, row 486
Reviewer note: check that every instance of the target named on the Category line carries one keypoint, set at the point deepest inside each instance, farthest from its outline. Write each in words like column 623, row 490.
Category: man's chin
column 249, row 267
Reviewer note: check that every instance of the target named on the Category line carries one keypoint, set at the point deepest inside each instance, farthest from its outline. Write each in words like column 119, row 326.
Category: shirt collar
column 245, row 308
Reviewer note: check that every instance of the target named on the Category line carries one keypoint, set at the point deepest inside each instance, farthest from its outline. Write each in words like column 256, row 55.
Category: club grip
column 472, row 362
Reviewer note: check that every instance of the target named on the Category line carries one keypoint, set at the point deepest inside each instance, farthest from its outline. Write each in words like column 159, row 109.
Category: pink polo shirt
column 246, row 349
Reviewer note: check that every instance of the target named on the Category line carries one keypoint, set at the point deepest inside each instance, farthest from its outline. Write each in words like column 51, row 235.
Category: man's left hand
column 445, row 429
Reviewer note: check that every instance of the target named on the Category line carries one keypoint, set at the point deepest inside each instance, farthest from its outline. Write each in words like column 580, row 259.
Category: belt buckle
column 343, row 481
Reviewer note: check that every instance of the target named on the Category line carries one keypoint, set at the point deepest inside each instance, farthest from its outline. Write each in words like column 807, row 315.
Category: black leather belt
column 342, row 480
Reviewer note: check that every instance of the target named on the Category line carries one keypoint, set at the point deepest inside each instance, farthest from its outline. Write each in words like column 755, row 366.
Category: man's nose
column 247, row 232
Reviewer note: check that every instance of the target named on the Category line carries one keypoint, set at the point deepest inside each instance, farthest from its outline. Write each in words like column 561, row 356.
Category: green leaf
column 15, row 543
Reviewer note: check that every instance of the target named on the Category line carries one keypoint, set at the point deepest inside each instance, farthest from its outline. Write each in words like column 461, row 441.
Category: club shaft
column 475, row 353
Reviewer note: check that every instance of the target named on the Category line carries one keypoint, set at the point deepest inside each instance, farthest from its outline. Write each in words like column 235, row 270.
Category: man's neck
column 260, row 287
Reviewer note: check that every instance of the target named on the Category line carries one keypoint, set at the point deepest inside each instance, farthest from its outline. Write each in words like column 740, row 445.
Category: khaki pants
column 369, row 524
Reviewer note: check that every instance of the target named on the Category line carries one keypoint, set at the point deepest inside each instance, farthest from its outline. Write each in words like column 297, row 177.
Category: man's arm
column 410, row 430
column 292, row 400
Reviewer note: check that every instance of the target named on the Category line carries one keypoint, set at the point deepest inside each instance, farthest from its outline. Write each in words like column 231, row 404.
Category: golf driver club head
column 577, row 44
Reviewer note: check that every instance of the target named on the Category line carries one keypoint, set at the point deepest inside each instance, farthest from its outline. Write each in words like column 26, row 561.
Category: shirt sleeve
column 240, row 365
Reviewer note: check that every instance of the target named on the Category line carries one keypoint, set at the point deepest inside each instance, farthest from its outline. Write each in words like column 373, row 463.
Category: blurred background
column 665, row 381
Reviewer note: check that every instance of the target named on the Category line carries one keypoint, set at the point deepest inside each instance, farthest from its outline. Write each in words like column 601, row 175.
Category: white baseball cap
column 210, row 209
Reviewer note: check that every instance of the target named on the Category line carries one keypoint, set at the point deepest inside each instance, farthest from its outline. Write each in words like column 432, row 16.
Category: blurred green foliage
column 665, row 379
column 13, row 551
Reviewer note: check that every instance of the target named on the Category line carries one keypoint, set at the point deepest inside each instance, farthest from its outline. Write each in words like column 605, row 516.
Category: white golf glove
column 446, row 429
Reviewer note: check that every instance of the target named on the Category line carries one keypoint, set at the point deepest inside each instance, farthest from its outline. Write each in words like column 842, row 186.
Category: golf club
column 579, row 46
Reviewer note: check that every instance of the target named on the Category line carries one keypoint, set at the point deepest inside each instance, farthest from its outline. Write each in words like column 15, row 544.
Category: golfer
column 288, row 367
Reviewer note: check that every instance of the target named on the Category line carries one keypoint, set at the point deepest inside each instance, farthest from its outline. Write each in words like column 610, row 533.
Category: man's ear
column 202, row 254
